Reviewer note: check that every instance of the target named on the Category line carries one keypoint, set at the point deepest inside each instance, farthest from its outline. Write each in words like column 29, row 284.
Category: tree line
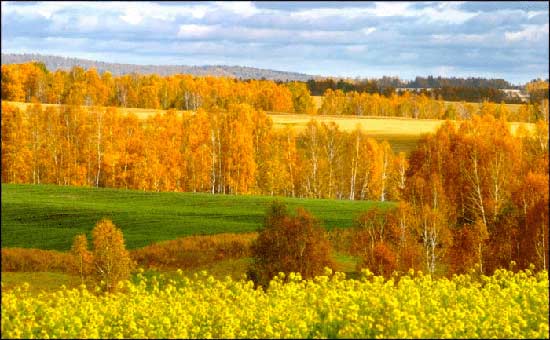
column 319, row 86
column 412, row 105
column 233, row 151
column 33, row 82
column 450, row 89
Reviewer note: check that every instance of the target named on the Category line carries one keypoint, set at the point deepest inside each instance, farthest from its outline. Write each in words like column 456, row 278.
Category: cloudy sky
column 494, row 39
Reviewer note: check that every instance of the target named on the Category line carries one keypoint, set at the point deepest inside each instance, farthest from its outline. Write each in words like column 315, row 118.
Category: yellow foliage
column 112, row 261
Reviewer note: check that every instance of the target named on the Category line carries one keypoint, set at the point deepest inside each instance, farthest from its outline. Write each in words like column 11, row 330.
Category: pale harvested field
column 374, row 125
column 140, row 113
column 371, row 125
column 401, row 133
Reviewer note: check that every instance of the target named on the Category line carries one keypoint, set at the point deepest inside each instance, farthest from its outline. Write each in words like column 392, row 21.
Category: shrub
column 289, row 244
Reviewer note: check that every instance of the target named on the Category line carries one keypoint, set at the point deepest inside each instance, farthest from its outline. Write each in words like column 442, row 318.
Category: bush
column 289, row 244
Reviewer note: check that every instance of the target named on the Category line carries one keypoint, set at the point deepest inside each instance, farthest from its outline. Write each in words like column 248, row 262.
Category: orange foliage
column 476, row 186
column 289, row 244
column 25, row 82
column 483, row 183
column 32, row 81
column 234, row 151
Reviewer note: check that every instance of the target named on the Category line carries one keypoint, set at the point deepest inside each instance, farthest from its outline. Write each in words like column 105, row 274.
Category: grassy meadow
column 49, row 216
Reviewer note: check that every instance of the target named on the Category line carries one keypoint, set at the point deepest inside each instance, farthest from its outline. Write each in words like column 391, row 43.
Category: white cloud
column 60, row 22
column 43, row 9
column 322, row 35
column 382, row 9
column 243, row 8
column 531, row 33
column 196, row 31
column 407, row 36
column 392, row 9
column 230, row 33
column 132, row 17
column 134, row 12
column 255, row 34
column 130, row 12
column 531, row 14
column 445, row 12
column 368, row 30
column 262, row 35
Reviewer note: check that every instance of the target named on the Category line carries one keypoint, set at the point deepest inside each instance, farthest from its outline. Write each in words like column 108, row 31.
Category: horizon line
column 312, row 76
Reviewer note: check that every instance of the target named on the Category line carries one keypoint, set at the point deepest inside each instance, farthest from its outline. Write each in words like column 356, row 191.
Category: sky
column 506, row 40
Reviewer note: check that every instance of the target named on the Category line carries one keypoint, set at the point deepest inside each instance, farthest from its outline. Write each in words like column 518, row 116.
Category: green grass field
column 49, row 216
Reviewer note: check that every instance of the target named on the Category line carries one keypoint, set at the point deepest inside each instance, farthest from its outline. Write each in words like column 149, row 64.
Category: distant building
column 516, row 93
column 512, row 93
column 413, row 89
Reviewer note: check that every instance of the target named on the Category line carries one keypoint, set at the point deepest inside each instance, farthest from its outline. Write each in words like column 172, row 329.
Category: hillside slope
column 50, row 216
column 55, row 62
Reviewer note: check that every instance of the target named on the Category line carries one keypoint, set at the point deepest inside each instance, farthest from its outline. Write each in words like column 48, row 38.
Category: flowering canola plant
column 504, row 305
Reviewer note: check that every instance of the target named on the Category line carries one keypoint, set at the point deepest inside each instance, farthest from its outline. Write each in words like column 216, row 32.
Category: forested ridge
column 63, row 63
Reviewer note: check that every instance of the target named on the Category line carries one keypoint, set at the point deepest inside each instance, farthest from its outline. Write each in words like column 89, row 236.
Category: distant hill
column 56, row 62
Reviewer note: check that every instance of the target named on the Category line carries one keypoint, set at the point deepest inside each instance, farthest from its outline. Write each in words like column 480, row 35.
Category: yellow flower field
column 505, row 305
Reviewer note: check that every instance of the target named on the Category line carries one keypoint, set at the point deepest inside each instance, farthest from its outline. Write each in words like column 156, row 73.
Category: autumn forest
column 472, row 194
column 274, row 170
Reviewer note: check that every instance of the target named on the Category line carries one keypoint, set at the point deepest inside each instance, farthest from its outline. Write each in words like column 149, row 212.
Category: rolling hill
column 50, row 216
column 55, row 62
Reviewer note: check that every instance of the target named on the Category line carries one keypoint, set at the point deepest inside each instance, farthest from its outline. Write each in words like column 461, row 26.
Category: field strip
column 376, row 126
